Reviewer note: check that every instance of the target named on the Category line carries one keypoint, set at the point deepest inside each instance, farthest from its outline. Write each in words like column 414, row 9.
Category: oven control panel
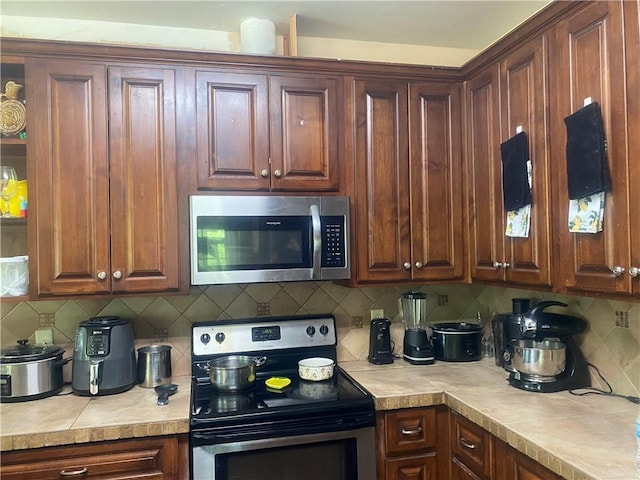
column 227, row 337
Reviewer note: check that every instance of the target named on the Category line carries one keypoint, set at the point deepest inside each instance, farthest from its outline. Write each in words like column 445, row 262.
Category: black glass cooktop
column 336, row 394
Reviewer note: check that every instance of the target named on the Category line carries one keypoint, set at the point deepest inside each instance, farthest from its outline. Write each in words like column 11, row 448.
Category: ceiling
column 468, row 24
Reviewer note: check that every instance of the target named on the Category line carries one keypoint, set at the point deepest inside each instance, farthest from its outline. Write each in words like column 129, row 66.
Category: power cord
column 597, row 391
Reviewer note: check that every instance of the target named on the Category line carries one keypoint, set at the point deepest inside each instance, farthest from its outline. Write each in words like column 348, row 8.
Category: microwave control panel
column 333, row 241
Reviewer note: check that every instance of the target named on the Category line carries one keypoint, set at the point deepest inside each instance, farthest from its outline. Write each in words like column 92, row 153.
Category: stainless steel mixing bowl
column 544, row 359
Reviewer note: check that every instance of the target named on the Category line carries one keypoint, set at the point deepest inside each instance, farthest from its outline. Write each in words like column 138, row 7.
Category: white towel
column 586, row 215
column 518, row 222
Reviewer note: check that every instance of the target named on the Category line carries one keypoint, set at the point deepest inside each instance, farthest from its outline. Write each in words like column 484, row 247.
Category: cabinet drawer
column 155, row 458
column 410, row 430
column 471, row 445
column 423, row 467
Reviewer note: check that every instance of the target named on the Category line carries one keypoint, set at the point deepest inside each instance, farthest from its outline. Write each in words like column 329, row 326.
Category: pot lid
column 21, row 352
column 456, row 327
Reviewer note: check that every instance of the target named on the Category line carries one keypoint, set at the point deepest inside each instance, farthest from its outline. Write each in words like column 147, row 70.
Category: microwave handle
column 317, row 241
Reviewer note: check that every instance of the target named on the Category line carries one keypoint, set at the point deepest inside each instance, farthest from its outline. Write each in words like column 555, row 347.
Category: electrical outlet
column 377, row 313
column 44, row 336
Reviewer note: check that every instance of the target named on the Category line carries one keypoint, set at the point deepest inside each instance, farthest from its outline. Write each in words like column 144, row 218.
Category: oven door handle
column 317, row 241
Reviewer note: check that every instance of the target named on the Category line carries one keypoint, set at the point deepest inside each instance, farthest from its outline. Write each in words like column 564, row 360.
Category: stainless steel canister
column 154, row 365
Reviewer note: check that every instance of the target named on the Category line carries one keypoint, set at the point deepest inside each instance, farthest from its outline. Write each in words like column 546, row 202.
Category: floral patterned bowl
column 316, row 369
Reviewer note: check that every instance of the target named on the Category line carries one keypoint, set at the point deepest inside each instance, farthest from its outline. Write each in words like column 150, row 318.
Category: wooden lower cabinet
column 471, row 450
column 412, row 444
column 513, row 465
column 150, row 458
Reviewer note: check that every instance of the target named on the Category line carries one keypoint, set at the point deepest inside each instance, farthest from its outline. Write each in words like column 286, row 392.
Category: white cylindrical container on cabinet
column 258, row 35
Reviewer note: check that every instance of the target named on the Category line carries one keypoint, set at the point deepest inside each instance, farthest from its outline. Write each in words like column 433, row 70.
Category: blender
column 417, row 349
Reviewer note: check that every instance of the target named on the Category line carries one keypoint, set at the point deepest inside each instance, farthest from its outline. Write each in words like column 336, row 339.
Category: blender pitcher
column 417, row 349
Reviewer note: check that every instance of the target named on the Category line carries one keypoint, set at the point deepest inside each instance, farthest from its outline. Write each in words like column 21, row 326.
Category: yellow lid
column 277, row 383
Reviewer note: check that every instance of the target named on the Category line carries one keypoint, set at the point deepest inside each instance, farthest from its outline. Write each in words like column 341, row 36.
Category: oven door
column 341, row 455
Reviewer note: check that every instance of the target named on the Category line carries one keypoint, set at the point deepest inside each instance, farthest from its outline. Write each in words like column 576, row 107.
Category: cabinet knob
column 264, row 172
column 406, row 265
column 117, row 274
column 419, row 265
column 102, row 275
column 497, row 265
column 617, row 271
column 73, row 473
column 634, row 271
column 277, row 173
column 506, row 265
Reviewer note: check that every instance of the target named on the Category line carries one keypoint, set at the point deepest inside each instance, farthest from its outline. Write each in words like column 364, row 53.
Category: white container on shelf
column 14, row 276
column 258, row 35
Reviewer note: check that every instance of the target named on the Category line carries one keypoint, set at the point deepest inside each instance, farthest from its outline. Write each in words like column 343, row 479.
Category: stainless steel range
column 316, row 430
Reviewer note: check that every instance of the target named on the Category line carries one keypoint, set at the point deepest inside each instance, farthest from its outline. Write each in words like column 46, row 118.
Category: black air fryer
column 104, row 359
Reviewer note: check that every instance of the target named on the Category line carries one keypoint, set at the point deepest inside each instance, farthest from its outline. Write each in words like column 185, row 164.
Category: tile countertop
column 67, row 418
column 580, row 438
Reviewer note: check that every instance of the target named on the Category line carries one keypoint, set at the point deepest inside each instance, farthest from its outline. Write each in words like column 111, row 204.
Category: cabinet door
column 423, row 467
column 70, row 188
column 486, row 212
column 587, row 62
column 632, row 69
column 513, row 465
column 435, row 182
column 232, row 131
column 305, row 129
column 524, row 102
column 144, row 202
column 382, row 177
column 471, row 448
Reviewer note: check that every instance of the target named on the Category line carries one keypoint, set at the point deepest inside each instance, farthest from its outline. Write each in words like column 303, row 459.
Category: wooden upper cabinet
column 435, row 188
column 500, row 99
column 143, row 186
column 486, row 212
column 305, row 133
column 588, row 61
column 105, row 187
column 407, row 186
column 524, row 100
column 256, row 132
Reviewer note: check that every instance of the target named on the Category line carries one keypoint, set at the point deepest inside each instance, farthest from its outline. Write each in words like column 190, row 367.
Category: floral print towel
column 586, row 214
column 518, row 222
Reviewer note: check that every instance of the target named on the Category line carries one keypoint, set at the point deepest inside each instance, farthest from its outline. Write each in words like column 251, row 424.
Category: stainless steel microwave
column 247, row 239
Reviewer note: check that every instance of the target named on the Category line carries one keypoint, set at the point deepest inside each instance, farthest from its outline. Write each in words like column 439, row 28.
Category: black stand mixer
column 543, row 356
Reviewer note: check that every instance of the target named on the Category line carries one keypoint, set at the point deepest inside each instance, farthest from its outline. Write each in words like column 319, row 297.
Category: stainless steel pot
column 154, row 365
column 30, row 372
column 543, row 359
column 457, row 341
column 233, row 372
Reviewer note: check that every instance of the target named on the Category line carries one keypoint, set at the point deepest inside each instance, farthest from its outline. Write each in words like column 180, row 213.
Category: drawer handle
column 415, row 431
column 465, row 443
column 73, row 473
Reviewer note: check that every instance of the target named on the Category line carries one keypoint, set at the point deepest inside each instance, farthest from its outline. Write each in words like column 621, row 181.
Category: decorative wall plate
column 13, row 117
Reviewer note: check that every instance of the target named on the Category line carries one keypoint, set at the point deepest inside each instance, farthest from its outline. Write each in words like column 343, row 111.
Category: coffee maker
column 417, row 349
column 380, row 350
column 543, row 355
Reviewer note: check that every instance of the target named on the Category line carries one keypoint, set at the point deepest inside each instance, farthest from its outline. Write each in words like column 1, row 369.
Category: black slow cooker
column 30, row 372
column 457, row 341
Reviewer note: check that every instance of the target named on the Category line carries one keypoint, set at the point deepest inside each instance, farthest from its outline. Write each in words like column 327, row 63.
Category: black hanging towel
column 587, row 169
column 515, row 180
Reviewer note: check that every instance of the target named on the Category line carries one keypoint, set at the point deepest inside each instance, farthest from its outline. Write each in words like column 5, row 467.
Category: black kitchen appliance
column 416, row 347
column 545, row 355
column 274, row 429
column 506, row 332
column 104, row 359
column 380, row 349
column 457, row 341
